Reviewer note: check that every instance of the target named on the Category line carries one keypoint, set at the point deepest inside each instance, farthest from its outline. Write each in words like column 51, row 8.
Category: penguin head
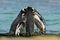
column 29, row 8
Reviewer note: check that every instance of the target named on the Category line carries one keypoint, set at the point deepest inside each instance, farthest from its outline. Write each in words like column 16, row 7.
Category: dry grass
column 41, row 37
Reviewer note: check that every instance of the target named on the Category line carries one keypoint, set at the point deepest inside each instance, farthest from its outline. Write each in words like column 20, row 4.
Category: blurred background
column 49, row 9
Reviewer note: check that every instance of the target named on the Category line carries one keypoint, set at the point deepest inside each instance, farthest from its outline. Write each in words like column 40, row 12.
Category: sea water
column 49, row 9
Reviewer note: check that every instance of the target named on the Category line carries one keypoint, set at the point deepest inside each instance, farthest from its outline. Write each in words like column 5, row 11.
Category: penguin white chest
column 36, row 17
column 17, row 32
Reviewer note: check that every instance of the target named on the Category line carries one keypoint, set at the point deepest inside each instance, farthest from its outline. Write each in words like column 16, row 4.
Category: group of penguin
column 25, row 22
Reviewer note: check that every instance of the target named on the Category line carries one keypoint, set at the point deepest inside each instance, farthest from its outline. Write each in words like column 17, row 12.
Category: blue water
column 49, row 9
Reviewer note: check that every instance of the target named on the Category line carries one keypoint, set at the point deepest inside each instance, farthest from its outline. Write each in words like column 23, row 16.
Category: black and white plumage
column 26, row 19
column 40, row 24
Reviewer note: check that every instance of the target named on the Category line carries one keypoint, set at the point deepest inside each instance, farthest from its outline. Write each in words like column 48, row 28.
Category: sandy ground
column 41, row 37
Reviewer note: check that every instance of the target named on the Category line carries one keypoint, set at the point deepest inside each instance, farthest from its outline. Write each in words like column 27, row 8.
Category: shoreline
column 41, row 37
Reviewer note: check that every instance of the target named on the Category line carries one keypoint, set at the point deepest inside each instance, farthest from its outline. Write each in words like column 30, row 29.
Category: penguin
column 19, row 19
column 20, row 26
column 39, row 21
column 28, row 16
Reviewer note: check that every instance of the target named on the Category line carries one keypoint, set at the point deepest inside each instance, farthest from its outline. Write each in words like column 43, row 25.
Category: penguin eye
column 24, row 9
column 33, row 10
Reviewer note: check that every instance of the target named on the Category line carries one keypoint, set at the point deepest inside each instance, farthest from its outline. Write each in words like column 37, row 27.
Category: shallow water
column 49, row 9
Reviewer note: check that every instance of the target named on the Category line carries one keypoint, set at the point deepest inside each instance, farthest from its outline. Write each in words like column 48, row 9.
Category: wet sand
column 41, row 37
